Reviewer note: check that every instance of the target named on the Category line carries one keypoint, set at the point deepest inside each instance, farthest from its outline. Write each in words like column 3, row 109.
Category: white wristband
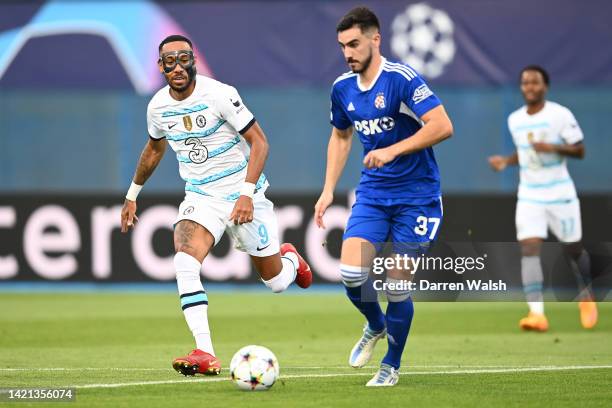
column 133, row 191
column 248, row 189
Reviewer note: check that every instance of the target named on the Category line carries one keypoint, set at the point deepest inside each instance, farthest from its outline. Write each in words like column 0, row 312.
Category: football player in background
column 545, row 135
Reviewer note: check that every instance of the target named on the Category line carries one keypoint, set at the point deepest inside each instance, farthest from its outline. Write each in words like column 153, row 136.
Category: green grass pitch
column 116, row 349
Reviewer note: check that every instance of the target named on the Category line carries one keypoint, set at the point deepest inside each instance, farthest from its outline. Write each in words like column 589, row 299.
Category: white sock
column 536, row 307
column 287, row 274
column 194, row 300
column 533, row 279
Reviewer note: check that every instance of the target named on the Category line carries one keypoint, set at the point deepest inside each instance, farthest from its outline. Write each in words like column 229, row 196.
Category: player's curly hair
column 359, row 16
column 539, row 69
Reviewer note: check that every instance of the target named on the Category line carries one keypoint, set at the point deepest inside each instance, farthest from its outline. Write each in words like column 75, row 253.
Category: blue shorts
column 410, row 227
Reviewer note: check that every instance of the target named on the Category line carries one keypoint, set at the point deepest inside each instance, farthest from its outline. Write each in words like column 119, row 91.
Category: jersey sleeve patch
column 417, row 95
column 233, row 110
column 571, row 132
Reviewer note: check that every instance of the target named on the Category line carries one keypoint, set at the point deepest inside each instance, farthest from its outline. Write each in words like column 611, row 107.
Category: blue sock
column 365, row 299
column 399, row 318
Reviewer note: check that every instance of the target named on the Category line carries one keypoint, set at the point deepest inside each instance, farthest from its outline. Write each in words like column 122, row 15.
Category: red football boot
column 304, row 274
column 197, row 362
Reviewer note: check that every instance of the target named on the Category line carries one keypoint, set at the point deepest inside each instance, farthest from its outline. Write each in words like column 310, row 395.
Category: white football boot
column 362, row 351
column 386, row 376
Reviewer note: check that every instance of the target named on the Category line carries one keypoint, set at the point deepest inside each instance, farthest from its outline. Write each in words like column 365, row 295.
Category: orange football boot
column 588, row 313
column 535, row 322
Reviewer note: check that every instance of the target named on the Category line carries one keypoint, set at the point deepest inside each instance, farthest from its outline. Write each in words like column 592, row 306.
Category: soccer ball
column 254, row 368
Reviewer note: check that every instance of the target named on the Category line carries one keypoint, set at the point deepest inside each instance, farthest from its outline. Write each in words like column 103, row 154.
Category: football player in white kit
column 545, row 134
column 208, row 126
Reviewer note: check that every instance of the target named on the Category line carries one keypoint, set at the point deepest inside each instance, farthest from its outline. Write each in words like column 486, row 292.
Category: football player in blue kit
column 398, row 119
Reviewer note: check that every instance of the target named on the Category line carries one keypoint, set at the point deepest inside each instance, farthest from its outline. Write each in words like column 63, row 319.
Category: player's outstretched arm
column 338, row 150
column 149, row 159
column 437, row 128
column 243, row 209
column 499, row 163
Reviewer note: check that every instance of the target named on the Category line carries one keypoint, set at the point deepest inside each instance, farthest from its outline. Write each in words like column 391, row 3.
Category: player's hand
column 544, row 147
column 128, row 215
column 324, row 201
column 243, row 210
column 497, row 162
column 378, row 158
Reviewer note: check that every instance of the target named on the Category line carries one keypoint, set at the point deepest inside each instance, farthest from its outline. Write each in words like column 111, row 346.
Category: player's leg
column 367, row 225
column 565, row 223
column 277, row 265
column 356, row 256
column 197, row 229
column 413, row 228
column 531, row 229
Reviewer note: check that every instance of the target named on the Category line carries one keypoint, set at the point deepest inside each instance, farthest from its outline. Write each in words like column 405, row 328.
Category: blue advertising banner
column 113, row 45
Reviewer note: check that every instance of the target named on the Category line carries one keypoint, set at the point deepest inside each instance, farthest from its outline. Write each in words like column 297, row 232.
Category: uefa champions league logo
column 422, row 37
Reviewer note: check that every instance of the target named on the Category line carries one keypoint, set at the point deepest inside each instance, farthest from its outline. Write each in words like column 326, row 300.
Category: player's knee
column 531, row 247
column 396, row 290
column 353, row 276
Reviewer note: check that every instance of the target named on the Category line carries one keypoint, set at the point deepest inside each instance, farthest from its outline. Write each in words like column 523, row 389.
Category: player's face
column 177, row 64
column 357, row 48
column 533, row 87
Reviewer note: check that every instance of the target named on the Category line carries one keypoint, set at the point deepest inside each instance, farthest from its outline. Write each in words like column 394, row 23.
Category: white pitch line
column 286, row 368
column 447, row 372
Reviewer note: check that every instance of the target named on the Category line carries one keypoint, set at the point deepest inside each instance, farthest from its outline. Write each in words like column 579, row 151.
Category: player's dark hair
column 362, row 17
column 173, row 38
column 539, row 69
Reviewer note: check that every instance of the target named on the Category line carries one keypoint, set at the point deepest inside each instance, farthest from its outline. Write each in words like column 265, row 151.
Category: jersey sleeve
column 234, row 111
column 417, row 95
column 571, row 132
column 154, row 125
column 338, row 117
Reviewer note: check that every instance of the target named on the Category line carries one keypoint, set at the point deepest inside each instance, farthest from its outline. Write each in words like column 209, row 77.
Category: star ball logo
column 422, row 37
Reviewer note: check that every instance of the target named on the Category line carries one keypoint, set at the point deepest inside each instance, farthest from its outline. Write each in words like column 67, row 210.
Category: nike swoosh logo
column 261, row 249
column 171, row 126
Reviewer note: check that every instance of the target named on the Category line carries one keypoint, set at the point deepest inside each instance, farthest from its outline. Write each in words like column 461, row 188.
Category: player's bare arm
column 571, row 150
column 499, row 162
column 243, row 209
column 338, row 150
column 437, row 128
column 149, row 159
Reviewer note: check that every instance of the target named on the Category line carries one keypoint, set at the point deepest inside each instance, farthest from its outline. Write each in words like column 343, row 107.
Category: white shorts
column 257, row 238
column 533, row 220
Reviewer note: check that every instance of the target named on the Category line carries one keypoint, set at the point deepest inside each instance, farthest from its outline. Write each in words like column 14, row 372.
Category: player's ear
column 159, row 65
column 376, row 39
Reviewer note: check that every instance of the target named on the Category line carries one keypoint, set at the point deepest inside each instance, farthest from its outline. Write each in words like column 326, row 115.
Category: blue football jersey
column 386, row 113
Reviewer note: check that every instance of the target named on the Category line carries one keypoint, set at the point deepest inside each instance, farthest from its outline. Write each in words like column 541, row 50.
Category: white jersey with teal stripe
column 205, row 132
column 543, row 176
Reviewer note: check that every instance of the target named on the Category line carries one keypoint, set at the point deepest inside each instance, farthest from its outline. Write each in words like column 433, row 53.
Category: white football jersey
column 543, row 176
column 204, row 131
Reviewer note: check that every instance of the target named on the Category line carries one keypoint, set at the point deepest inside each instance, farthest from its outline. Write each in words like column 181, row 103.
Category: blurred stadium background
column 75, row 79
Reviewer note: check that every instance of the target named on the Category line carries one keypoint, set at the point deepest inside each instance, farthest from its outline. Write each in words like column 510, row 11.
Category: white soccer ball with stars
column 422, row 37
column 254, row 368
